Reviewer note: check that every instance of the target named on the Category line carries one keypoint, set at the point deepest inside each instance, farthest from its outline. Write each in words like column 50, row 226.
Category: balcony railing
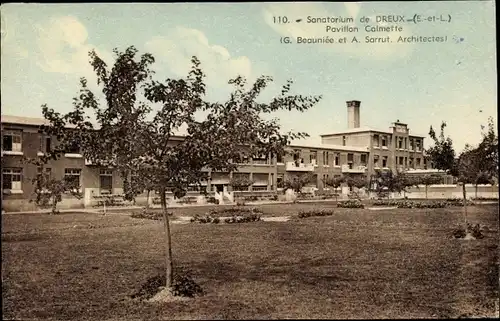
column 354, row 169
column 299, row 167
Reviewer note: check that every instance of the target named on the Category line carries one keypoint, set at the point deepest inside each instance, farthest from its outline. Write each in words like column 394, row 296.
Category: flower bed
column 354, row 203
column 236, row 215
column 305, row 214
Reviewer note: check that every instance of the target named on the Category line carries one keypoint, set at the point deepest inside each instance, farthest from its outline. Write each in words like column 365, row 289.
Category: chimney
column 353, row 114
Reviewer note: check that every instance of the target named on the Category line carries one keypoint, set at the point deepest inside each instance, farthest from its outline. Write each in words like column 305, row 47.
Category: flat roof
column 331, row 147
column 364, row 130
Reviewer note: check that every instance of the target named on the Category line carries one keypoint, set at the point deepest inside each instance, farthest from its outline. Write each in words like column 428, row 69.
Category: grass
column 354, row 264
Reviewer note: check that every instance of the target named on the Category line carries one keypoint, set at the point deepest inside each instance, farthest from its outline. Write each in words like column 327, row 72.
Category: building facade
column 357, row 150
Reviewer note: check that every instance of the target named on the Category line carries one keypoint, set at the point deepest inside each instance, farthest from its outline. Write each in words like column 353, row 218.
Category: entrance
column 219, row 188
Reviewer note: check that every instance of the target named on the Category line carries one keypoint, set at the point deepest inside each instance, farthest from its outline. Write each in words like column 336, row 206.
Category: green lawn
column 354, row 264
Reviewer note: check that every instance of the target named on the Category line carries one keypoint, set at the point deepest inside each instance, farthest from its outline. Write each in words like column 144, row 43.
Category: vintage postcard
column 271, row 160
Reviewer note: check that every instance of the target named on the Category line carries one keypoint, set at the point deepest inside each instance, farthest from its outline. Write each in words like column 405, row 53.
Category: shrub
column 274, row 197
column 458, row 202
column 459, row 233
column 485, row 198
column 181, row 286
column 412, row 204
column 212, row 200
column 185, row 286
column 305, row 214
column 386, row 203
column 237, row 215
column 240, row 203
column 253, row 217
column 354, row 203
column 475, row 230
column 147, row 213
column 205, row 219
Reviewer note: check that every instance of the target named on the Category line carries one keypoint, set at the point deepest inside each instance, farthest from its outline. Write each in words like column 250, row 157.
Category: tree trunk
column 147, row 198
column 476, row 192
column 465, row 203
column 168, row 241
column 54, row 205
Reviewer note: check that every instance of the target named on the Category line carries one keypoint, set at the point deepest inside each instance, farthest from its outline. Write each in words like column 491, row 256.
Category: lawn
column 355, row 264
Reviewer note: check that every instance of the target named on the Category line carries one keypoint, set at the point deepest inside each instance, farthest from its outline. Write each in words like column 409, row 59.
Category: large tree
column 136, row 133
column 442, row 154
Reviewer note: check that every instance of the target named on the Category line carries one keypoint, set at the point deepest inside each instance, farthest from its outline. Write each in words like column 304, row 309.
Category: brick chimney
column 353, row 114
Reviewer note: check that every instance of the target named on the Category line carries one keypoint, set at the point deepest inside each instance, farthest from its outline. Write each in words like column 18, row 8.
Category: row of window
column 402, row 142
column 402, row 161
column 12, row 178
column 12, row 142
column 326, row 158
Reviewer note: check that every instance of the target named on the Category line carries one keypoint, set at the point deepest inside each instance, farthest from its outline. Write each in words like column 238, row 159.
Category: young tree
column 427, row 180
column 385, row 182
column 136, row 136
column 49, row 191
column 239, row 183
column 356, row 181
column 334, row 182
column 296, row 183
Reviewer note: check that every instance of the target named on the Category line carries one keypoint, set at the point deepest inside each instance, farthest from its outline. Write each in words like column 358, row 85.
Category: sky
column 44, row 53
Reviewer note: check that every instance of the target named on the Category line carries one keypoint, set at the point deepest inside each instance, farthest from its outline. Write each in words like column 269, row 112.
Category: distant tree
column 240, row 183
column 296, row 183
column 334, row 182
column 427, row 180
column 134, row 137
column 356, row 181
column 385, row 182
column 442, row 154
column 49, row 190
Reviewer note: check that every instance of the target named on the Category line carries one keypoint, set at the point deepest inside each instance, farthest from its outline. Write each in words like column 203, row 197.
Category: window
column 350, row 158
column 337, row 160
column 363, row 159
column 384, row 161
column 45, row 144
column 326, row 160
column 400, row 142
column 401, row 159
column 343, row 140
column 73, row 149
column 313, row 156
column 279, row 158
column 72, row 176
column 279, row 181
column 272, row 181
column 406, row 143
column 375, row 160
column 11, row 141
column 12, row 179
column 411, row 163
column 418, row 145
column 376, row 140
column 384, row 141
column 418, row 162
column 106, row 178
column 425, row 163
column 411, row 144
column 406, row 162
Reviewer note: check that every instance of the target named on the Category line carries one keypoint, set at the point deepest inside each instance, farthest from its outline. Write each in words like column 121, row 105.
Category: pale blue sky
column 44, row 52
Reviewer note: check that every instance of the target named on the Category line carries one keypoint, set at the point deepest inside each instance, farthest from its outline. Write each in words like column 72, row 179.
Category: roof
column 21, row 120
column 358, row 130
column 364, row 130
column 331, row 147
